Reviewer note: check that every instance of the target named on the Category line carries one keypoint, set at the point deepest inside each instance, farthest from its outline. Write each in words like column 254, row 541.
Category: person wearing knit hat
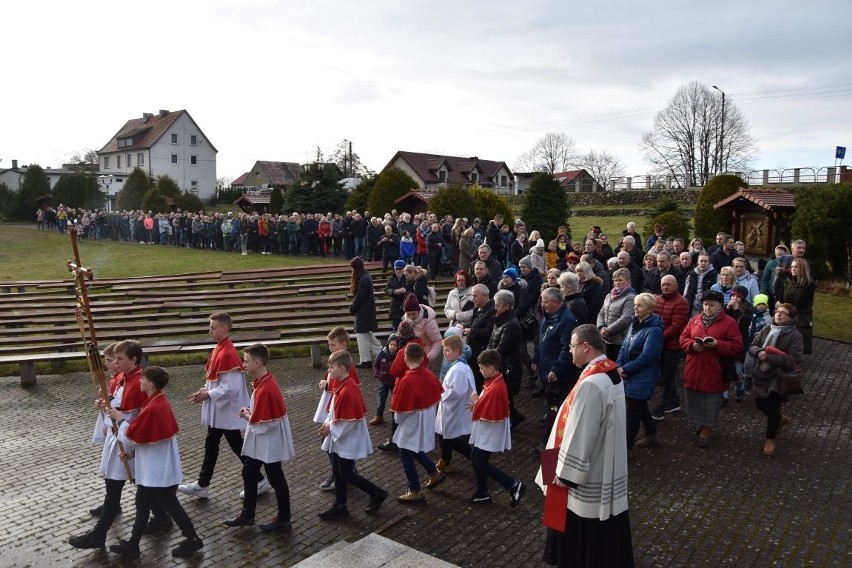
column 741, row 292
column 740, row 310
column 398, row 264
column 526, row 261
column 761, row 299
column 404, row 332
column 411, row 304
column 512, row 273
column 572, row 258
column 381, row 369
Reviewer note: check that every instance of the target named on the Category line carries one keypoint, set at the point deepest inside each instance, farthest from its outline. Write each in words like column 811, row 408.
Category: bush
column 359, row 197
column 675, row 224
column 168, row 187
column 154, row 201
column 189, row 202
column 546, row 207
column 709, row 221
column 137, row 185
column 488, row 204
column 664, row 205
column 821, row 219
column 455, row 200
column 390, row 185
column 276, row 201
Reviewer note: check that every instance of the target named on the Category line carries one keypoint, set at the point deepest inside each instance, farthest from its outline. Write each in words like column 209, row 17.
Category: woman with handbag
column 777, row 351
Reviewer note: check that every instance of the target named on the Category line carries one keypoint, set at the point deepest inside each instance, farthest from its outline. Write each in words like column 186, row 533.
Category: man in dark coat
column 396, row 290
column 507, row 339
column 552, row 358
column 363, row 307
column 495, row 241
column 481, row 325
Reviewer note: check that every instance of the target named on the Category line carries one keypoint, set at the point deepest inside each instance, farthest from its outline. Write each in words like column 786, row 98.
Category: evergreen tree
column 709, row 221
column 7, row 202
column 455, row 200
column 35, row 185
column 79, row 190
column 318, row 190
column 137, row 185
column 359, row 197
column 189, row 202
column 391, row 184
column 276, row 200
column 488, row 204
column 822, row 220
column 545, row 206
column 168, row 187
column 154, row 201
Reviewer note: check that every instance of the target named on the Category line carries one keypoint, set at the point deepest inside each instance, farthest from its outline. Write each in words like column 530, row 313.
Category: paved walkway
column 723, row 506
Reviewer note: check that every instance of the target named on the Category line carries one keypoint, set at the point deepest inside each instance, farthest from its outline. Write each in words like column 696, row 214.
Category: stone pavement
column 726, row 505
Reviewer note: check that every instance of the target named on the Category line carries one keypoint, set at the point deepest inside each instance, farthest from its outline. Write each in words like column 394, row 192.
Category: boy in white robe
column 454, row 421
column 222, row 396
column 267, row 443
column 346, row 437
column 152, row 438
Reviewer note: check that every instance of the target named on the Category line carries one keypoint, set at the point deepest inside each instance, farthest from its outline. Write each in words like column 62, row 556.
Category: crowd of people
column 584, row 320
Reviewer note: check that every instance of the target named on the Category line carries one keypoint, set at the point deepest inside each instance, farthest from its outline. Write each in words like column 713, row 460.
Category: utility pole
column 722, row 161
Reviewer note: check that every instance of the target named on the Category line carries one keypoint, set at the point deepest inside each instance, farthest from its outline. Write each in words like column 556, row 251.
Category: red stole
column 114, row 382
column 133, row 398
column 417, row 389
column 348, row 401
column 155, row 423
column 556, row 500
column 268, row 403
column 224, row 358
column 493, row 404
column 398, row 367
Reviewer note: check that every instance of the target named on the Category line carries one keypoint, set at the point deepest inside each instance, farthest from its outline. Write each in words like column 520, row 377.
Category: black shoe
column 517, row 492
column 515, row 422
column 241, row 520
column 88, row 540
column 156, row 525
column 336, row 511
column 99, row 510
column 388, row 446
column 740, row 395
column 377, row 500
column 275, row 525
column 188, row 546
column 364, row 365
column 125, row 548
column 480, row 499
column 659, row 414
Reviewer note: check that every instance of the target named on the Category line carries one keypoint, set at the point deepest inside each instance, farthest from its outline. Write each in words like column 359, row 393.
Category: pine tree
column 545, row 206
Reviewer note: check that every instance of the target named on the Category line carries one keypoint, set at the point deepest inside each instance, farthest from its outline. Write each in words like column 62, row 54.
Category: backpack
column 433, row 295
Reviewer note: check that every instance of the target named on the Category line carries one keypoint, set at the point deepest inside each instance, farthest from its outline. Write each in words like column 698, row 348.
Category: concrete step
column 372, row 551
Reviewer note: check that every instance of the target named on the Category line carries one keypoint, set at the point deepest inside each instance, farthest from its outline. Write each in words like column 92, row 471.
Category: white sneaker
column 327, row 485
column 194, row 489
column 262, row 487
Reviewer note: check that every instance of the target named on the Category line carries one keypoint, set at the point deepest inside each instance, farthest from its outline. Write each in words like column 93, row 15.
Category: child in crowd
column 222, row 396
column 152, row 437
column 453, row 422
column 381, row 369
column 406, row 248
column 346, row 438
column 760, row 317
column 268, row 442
column 338, row 340
column 122, row 359
column 456, row 330
column 415, row 396
column 491, row 431
column 405, row 335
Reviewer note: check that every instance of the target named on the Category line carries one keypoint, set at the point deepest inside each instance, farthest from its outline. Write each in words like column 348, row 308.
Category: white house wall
column 184, row 172
column 403, row 165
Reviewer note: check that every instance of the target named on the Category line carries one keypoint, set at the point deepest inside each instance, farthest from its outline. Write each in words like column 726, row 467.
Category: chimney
column 14, row 164
column 146, row 116
column 163, row 113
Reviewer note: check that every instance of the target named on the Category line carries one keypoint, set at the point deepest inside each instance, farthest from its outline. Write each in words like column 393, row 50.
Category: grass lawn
column 28, row 254
column 833, row 317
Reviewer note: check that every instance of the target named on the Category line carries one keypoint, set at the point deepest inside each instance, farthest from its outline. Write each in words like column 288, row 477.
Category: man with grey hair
column 664, row 268
column 494, row 267
column 481, row 325
column 507, row 339
column 552, row 357
column 636, row 277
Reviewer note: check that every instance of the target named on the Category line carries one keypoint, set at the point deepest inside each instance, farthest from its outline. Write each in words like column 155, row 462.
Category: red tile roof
column 241, row 180
column 423, row 195
column 277, row 173
column 426, row 166
column 565, row 177
column 764, row 198
column 146, row 131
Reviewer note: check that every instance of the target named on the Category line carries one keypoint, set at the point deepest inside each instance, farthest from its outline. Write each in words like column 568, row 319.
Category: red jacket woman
column 703, row 370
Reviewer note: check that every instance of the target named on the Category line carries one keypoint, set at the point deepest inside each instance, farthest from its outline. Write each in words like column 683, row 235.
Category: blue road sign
column 841, row 152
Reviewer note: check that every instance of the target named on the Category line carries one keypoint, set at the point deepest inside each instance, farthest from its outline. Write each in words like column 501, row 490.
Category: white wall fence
column 792, row 176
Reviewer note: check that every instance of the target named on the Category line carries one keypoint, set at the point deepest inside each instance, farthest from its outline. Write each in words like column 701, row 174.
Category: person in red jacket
column 706, row 339
column 324, row 233
column 674, row 310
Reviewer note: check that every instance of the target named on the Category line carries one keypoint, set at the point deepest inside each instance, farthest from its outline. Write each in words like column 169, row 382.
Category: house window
column 106, row 162
column 503, row 181
column 129, row 160
column 140, row 159
column 125, row 142
column 193, row 186
column 174, row 139
column 442, row 176
column 193, row 140
column 193, row 160
column 119, row 180
column 174, row 158
column 474, row 177
column 118, row 161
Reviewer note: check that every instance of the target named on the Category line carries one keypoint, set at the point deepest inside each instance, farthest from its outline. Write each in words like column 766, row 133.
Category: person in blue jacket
column 639, row 366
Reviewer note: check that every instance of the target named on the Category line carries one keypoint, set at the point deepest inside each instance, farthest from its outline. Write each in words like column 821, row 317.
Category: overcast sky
column 274, row 79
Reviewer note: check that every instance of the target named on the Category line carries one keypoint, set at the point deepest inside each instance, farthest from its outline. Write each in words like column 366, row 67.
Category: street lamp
column 722, row 163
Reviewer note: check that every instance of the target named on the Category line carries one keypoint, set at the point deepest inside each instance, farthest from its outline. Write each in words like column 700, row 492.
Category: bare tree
column 555, row 152
column 687, row 136
column 601, row 165
column 348, row 161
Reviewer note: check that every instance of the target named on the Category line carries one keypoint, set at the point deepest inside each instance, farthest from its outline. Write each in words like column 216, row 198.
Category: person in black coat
column 396, row 291
column 507, row 339
column 389, row 244
column 478, row 334
column 363, row 307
